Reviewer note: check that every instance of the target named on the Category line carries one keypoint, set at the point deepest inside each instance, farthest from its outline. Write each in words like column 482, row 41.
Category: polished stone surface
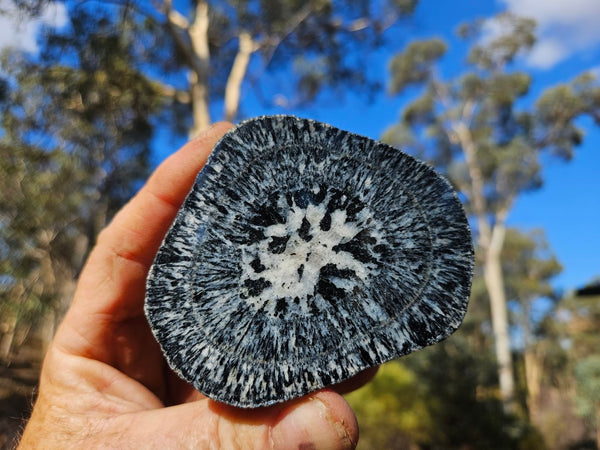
column 303, row 255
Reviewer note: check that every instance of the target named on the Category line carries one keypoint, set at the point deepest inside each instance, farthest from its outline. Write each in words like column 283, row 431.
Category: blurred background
column 501, row 96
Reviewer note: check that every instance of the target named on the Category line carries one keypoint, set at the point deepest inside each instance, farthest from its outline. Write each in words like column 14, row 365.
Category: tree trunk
column 533, row 376
column 491, row 240
column 9, row 325
column 246, row 47
column 198, row 78
column 21, row 334
column 200, row 111
column 46, row 329
column 494, row 281
column 9, row 328
column 533, row 362
column 598, row 425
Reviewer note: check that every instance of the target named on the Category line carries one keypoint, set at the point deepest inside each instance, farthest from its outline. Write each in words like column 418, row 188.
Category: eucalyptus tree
column 529, row 265
column 75, row 144
column 487, row 135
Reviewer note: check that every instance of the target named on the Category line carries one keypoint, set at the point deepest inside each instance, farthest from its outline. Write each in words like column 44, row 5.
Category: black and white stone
column 303, row 255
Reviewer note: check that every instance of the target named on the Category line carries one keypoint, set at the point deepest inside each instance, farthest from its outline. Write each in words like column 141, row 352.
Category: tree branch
column 177, row 94
column 177, row 29
column 135, row 6
column 192, row 40
column 246, row 47
column 273, row 42
column 198, row 33
column 174, row 17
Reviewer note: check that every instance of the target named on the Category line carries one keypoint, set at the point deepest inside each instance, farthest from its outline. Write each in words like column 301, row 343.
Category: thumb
column 321, row 421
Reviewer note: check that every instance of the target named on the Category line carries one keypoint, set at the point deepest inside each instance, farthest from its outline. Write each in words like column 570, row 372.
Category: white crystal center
column 294, row 272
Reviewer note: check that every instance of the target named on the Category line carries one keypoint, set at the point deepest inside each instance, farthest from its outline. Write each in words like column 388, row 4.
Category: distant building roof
column 588, row 291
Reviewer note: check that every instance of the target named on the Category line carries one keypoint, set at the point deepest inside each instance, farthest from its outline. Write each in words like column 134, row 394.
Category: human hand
column 104, row 381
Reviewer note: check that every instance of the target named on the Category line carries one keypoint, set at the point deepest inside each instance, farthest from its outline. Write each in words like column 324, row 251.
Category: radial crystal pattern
column 303, row 255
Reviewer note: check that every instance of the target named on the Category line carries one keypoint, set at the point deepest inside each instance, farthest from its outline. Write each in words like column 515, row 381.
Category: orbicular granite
column 303, row 255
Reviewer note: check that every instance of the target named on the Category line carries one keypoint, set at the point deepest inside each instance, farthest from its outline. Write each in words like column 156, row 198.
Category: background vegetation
column 79, row 121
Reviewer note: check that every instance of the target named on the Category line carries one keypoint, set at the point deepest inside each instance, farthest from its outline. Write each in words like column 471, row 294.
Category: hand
column 104, row 381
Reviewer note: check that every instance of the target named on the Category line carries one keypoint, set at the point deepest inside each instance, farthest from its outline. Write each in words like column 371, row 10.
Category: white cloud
column 20, row 32
column 546, row 53
column 565, row 27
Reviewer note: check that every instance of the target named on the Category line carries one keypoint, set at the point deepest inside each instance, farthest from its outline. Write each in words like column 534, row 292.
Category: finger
column 322, row 420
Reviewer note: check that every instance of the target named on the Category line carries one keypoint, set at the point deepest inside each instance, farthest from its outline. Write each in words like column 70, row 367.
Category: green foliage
column 421, row 110
column 511, row 35
column 78, row 122
column 76, row 138
column 392, row 409
column 587, row 375
column 529, row 265
column 85, row 98
column 576, row 326
column 39, row 224
column 303, row 46
column 463, row 399
column 580, row 325
column 444, row 396
column 559, row 106
column 415, row 64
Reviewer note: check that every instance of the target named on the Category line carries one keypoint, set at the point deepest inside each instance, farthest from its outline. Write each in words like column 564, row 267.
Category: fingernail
column 311, row 425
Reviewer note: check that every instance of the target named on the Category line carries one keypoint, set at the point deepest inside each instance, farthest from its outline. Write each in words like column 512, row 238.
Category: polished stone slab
column 303, row 255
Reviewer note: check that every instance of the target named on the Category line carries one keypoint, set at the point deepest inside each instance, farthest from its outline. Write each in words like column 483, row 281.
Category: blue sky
column 568, row 205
